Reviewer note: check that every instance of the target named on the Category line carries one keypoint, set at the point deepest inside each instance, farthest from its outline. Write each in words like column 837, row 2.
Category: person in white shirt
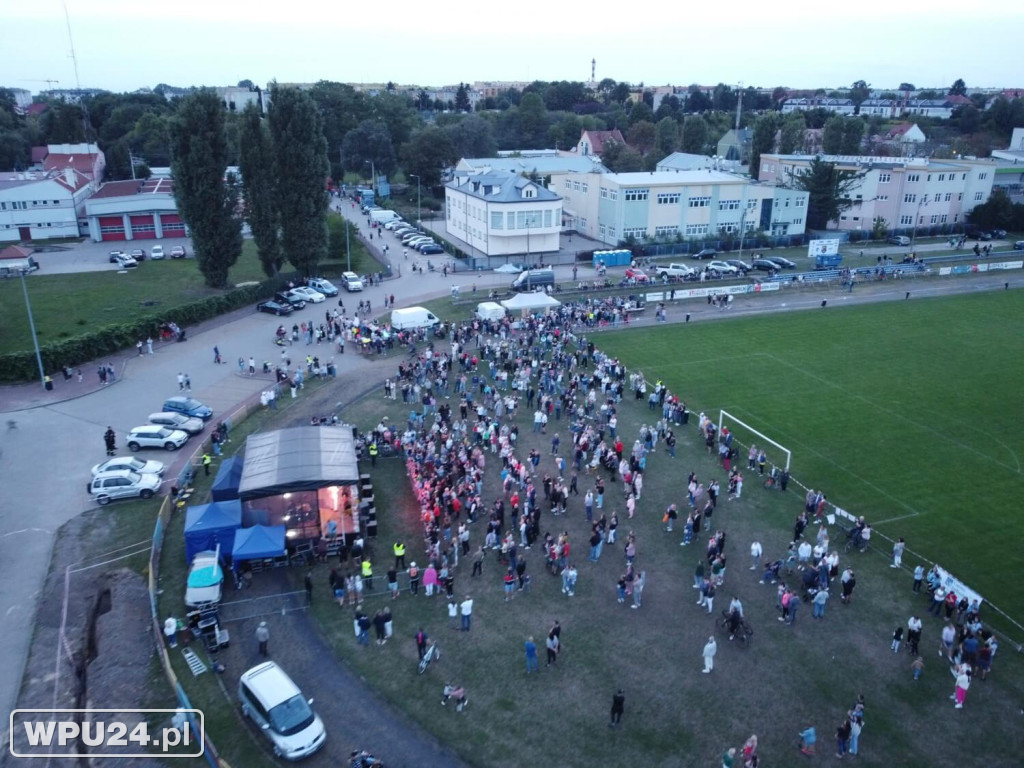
column 755, row 555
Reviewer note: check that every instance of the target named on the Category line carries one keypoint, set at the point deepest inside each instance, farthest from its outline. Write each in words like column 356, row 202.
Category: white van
column 410, row 318
column 490, row 310
column 277, row 706
column 382, row 215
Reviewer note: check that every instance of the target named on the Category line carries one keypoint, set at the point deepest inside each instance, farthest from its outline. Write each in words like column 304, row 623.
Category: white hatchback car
column 351, row 281
column 130, row 464
column 157, row 252
column 314, row 297
column 277, row 706
column 153, row 436
column 122, row 484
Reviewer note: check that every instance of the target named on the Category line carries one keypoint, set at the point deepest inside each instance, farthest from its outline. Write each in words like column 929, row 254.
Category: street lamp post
column 419, row 199
column 32, row 327
column 348, row 251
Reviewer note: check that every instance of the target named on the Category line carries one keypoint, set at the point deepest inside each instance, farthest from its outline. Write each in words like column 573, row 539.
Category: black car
column 138, row 254
column 763, row 265
column 742, row 266
column 287, row 297
column 430, row 249
column 782, row 263
column 707, row 253
column 275, row 307
column 998, row 234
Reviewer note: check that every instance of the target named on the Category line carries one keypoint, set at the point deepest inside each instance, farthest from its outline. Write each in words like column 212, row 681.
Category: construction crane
column 50, row 83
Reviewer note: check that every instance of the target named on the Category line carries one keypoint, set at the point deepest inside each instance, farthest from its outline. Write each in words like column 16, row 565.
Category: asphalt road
column 44, row 461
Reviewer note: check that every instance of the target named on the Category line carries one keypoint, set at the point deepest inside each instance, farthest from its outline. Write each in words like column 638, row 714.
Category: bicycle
column 433, row 653
column 744, row 632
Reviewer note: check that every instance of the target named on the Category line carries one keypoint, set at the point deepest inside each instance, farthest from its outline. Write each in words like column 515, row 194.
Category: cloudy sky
column 126, row 44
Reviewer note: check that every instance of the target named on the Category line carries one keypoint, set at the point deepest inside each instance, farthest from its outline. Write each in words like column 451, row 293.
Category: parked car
column 723, row 268
column 123, row 260
column 157, row 251
column 1019, row 245
column 998, row 234
column 977, row 234
column 278, row 708
column 309, row 294
column 417, row 244
column 637, row 274
column 429, row 249
column 138, row 254
column 899, row 240
column 178, row 252
column 129, row 464
column 416, row 233
column 401, row 232
column 189, row 406
column 275, row 307
column 287, row 297
column 152, row 436
column 351, row 282
column 189, row 424
column 742, row 266
column 394, row 224
column 326, row 287
column 205, row 579
column 783, row 262
column 707, row 253
column 122, row 484
column 675, row 270
column 763, row 265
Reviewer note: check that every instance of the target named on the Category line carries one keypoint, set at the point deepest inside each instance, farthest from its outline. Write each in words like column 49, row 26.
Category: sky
column 122, row 45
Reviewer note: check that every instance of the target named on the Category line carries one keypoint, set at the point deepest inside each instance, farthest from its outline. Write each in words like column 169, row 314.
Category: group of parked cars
column 156, row 253
column 169, row 429
column 716, row 268
column 408, row 235
column 315, row 291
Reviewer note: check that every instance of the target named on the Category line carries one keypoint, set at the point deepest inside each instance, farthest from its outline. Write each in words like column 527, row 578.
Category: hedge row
column 110, row 339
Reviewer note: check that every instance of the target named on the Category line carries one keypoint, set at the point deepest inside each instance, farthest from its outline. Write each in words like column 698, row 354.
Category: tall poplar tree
column 199, row 158
column 256, row 162
column 300, row 151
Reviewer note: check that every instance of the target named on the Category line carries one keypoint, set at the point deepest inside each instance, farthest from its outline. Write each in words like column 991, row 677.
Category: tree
column 533, row 120
column 853, row 135
column 300, row 152
column 670, row 107
column 462, row 99
column 697, row 101
column 342, row 108
column 958, row 88
column 256, row 162
column 619, row 158
column 368, row 143
column 642, row 136
column 473, row 136
column 695, row 135
column 967, row 118
column 149, row 138
column 199, row 155
column 762, row 141
column 829, row 191
column 791, row 137
column 619, row 94
column 998, row 212
column 641, row 113
column 246, row 84
column 880, row 227
column 832, row 138
column 779, row 96
column 906, row 87
column 666, row 136
column 723, row 98
column 565, row 133
column 428, row 152
column 859, row 92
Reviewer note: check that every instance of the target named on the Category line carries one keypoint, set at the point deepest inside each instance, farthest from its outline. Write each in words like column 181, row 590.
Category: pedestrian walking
column 207, row 460
column 897, row 552
column 252, row 366
column 963, row 682
column 710, row 649
column 532, row 665
column 618, row 706
column 149, row 345
column 466, row 610
column 552, row 645
column 263, row 638
column 110, row 441
column 138, row 347
column 181, row 381
column 638, row 589
column 309, row 587
column 188, row 383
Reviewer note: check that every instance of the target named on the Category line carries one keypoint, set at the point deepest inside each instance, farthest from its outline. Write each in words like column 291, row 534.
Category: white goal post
column 723, row 415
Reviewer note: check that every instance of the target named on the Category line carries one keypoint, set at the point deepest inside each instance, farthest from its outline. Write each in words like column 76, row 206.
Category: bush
column 110, row 339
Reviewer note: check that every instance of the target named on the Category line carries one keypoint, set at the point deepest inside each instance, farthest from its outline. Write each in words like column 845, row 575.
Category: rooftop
column 676, row 178
column 132, row 187
column 499, row 187
column 541, row 165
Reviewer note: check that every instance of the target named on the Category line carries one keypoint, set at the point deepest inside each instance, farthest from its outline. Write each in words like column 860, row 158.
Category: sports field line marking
column 685, row 363
column 894, row 519
column 897, row 414
column 778, row 430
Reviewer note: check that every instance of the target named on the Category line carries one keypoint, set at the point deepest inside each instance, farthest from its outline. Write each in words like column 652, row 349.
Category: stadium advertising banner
column 822, row 248
column 700, row 293
column 964, row 269
column 957, row 587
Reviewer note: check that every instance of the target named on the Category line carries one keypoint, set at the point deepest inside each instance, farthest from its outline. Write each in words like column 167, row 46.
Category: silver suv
column 674, row 270
column 152, row 436
column 122, row 484
column 180, row 421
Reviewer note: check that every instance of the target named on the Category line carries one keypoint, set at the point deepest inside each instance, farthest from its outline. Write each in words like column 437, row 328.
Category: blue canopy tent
column 225, row 485
column 208, row 525
column 258, row 542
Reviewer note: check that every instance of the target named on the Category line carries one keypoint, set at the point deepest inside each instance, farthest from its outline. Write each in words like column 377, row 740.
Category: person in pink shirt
column 430, row 582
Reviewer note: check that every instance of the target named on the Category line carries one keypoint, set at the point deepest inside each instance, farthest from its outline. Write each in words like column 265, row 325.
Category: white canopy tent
column 527, row 302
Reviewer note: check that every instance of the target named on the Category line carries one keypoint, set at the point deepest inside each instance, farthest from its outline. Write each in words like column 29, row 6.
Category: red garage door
column 111, row 228
column 143, row 228
column 172, row 225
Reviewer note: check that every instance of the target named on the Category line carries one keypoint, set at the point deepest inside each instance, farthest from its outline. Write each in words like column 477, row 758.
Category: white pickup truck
column 680, row 271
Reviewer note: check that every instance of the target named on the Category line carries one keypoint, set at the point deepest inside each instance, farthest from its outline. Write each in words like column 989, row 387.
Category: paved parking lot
column 95, row 257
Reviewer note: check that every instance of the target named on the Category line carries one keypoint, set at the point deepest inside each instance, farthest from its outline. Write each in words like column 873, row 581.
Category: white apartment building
column 667, row 205
column 499, row 213
column 906, row 192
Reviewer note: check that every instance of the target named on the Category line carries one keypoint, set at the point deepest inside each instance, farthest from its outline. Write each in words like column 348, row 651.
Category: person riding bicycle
column 734, row 619
column 281, row 332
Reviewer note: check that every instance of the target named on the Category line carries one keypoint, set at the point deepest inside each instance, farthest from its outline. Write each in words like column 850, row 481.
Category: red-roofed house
column 906, row 133
column 592, row 142
column 134, row 210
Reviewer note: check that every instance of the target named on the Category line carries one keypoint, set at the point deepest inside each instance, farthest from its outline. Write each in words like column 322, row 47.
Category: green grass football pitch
column 907, row 413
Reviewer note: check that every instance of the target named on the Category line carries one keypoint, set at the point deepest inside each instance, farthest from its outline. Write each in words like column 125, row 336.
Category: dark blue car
column 188, row 406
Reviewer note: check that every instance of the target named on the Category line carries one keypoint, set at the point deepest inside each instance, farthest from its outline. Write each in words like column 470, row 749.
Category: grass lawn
column 791, row 675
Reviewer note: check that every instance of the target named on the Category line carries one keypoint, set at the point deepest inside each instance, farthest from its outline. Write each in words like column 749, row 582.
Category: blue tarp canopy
column 225, row 486
column 258, row 542
column 208, row 525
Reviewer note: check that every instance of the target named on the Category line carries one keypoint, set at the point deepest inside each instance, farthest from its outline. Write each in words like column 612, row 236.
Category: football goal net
column 746, row 436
